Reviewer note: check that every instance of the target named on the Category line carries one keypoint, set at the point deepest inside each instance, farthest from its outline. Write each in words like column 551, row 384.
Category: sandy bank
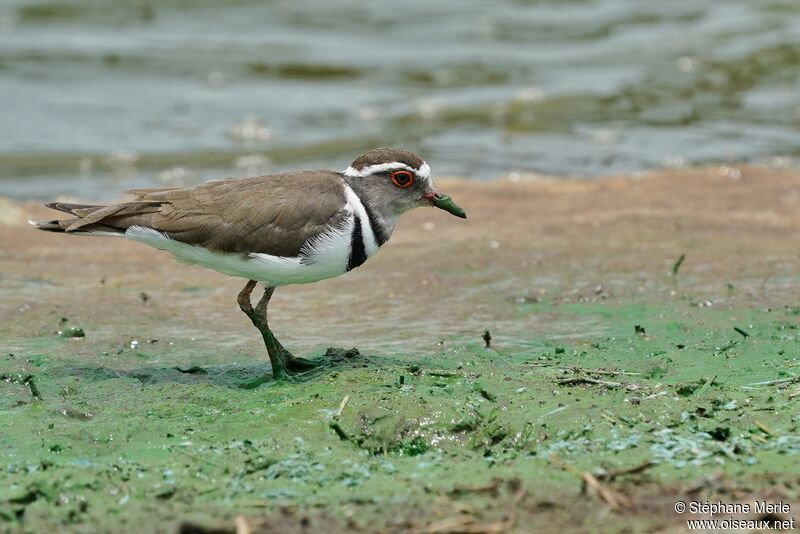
column 440, row 276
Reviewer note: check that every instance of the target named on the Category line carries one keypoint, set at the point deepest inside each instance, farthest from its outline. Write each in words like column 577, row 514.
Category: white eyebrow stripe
column 423, row 172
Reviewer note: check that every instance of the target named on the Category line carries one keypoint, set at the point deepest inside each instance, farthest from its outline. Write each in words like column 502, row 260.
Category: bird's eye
column 402, row 179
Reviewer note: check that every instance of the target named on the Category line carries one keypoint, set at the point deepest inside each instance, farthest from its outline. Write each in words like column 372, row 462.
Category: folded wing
column 270, row 214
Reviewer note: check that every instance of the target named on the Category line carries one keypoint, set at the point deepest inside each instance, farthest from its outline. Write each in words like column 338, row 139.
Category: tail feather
column 60, row 226
column 81, row 220
column 50, row 225
column 66, row 207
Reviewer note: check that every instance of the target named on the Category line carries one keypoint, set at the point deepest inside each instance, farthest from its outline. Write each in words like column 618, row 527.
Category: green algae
column 115, row 440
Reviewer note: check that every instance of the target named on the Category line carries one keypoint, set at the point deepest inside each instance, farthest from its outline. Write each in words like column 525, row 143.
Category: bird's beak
column 442, row 201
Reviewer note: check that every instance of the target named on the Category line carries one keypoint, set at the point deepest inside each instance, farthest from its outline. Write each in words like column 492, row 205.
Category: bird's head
column 396, row 181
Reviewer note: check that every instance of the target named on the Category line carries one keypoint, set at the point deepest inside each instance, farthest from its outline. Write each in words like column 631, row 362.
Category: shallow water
column 99, row 96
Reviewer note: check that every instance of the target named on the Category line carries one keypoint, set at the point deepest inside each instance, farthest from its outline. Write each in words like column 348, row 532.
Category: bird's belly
column 272, row 270
column 278, row 271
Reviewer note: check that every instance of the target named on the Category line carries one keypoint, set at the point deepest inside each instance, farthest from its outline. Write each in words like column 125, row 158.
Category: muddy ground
column 620, row 379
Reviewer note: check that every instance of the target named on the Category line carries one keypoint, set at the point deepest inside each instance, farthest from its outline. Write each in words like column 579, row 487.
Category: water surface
column 98, row 96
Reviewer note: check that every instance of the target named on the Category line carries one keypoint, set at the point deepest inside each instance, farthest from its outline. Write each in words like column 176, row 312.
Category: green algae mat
column 467, row 438
column 619, row 381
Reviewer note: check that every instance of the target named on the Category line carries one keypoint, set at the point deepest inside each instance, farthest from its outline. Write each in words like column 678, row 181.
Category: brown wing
column 269, row 214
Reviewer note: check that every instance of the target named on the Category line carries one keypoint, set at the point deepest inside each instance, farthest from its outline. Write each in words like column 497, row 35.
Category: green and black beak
column 444, row 202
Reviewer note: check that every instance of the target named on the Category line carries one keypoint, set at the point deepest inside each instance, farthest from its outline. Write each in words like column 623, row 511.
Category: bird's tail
column 77, row 212
column 48, row 225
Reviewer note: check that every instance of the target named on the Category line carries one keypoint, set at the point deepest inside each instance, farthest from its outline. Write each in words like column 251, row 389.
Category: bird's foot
column 293, row 364
column 288, row 368
column 300, row 365
column 299, row 369
column 332, row 355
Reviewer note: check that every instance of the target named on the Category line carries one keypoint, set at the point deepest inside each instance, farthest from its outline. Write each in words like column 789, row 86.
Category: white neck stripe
column 370, row 244
column 423, row 172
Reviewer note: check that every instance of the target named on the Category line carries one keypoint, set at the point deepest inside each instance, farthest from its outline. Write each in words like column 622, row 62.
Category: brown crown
column 387, row 155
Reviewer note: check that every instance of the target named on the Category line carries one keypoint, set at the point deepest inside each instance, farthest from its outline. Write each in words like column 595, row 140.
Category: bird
column 280, row 229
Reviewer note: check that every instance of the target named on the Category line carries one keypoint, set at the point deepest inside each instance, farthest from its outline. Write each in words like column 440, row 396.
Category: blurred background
column 101, row 95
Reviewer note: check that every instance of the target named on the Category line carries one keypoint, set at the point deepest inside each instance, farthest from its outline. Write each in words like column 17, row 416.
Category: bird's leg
column 291, row 363
column 283, row 362
column 258, row 316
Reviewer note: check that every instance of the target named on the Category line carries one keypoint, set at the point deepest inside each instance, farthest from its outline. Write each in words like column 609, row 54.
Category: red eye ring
column 402, row 179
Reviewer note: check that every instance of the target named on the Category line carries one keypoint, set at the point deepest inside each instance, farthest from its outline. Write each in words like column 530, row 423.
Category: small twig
column 465, row 524
column 655, row 395
column 553, row 412
column 339, row 431
column 538, row 363
column 764, row 428
column 520, row 496
column 584, row 380
column 488, row 487
column 706, row 385
column 599, row 489
column 742, row 332
column 677, row 265
column 777, row 382
column 611, row 475
column 451, row 524
column 794, row 394
column 242, row 527
column 609, row 418
column 611, row 373
column 558, row 463
column 599, row 371
column 443, row 374
column 342, row 405
column 253, row 503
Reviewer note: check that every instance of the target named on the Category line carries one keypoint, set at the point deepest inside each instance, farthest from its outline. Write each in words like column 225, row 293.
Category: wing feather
column 272, row 215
